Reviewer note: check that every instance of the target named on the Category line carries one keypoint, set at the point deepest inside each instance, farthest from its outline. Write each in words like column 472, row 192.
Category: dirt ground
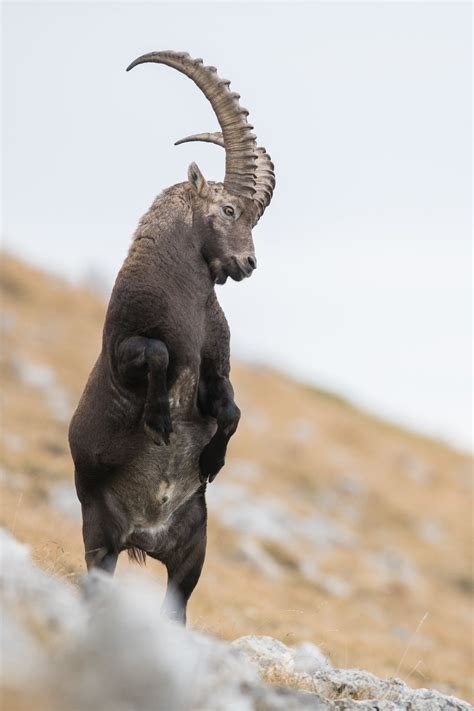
column 327, row 524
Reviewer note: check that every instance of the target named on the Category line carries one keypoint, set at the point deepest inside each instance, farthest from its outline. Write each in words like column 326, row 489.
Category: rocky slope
column 107, row 649
column 327, row 525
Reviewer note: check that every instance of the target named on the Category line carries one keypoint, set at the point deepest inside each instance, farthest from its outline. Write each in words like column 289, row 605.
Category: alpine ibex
column 158, row 410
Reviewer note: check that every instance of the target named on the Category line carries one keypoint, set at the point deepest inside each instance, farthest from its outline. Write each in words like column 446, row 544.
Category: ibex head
column 225, row 213
column 224, row 223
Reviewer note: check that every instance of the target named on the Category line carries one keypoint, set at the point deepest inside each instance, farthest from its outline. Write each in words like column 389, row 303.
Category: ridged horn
column 239, row 141
column 264, row 172
column 265, row 181
column 216, row 138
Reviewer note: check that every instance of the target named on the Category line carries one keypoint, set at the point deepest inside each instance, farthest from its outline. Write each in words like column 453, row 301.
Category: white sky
column 364, row 277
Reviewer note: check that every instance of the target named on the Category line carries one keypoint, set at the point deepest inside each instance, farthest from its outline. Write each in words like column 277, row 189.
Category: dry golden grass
column 395, row 491
column 278, row 677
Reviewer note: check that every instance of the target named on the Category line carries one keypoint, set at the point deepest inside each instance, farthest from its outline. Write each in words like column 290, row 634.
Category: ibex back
column 158, row 410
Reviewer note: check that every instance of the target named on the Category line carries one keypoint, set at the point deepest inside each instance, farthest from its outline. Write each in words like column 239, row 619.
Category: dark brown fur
column 157, row 412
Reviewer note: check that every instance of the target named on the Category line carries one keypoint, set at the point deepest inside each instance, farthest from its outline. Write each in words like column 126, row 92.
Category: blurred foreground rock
column 106, row 647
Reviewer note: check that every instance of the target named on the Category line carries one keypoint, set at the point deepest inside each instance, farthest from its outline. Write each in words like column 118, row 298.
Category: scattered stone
column 301, row 431
column 252, row 552
column 430, row 532
column 63, row 497
column 245, row 469
column 416, row 470
column 256, row 420
column 352, row 485
column 238, row 508
column 335, row 586
column 13, row 441
column 7, row 321
column 43, row 378
column 392, row 567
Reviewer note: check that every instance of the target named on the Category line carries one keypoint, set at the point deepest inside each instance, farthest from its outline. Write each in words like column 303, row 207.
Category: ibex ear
column 197, row 180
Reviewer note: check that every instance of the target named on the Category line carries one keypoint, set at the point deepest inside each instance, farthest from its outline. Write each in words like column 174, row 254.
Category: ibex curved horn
column 264, row 171
column 239, row 141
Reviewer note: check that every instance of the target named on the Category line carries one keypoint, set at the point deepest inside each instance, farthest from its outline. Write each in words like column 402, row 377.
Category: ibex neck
column 167, row 251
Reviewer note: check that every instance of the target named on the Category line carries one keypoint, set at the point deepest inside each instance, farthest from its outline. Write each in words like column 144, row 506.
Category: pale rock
column 126, row 656
column 308, row 658
column 344, row 686
column 265, row 652
column 41, row 601
column 109, row 649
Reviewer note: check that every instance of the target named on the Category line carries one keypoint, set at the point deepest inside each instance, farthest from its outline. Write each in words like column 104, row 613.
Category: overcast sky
column 363, row 283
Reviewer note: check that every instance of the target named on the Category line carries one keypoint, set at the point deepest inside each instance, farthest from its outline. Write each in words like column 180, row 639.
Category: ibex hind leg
column 101, row 546
column 184, row 572
column 185, row 559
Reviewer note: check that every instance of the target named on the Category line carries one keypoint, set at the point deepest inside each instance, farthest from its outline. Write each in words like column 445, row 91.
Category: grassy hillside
column 326, row 524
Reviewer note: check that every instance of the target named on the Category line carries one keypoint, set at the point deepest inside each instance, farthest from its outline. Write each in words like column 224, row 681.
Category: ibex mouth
column 232, row 268
column 239, row 272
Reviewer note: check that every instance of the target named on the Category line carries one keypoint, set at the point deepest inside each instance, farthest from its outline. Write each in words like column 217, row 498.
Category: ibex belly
column 161, row 478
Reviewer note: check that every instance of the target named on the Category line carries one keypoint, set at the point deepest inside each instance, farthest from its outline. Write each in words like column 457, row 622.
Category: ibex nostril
column 252, row 261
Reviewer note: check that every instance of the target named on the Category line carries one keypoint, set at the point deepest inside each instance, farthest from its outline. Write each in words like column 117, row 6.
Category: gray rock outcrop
column 104, row 646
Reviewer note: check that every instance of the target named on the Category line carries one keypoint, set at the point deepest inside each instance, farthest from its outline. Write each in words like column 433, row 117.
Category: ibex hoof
column 159, row 429
column 209, row 466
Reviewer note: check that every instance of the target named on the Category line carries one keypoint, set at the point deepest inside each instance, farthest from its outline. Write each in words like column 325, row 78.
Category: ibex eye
column 228, row 210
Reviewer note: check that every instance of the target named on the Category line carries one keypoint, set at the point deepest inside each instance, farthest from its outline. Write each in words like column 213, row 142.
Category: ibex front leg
column 218, row 401
column 146, row 360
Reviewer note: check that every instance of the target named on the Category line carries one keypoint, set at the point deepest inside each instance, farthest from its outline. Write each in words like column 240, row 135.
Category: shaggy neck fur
column 167, row 243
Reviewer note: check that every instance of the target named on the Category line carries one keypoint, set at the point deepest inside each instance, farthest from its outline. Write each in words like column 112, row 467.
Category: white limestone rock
column 108, row 648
